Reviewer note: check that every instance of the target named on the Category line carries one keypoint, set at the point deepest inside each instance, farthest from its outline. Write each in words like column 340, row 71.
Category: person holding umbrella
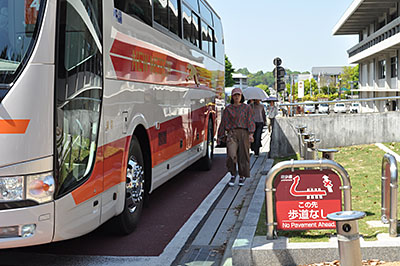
column 260, row 121
column 237, row 126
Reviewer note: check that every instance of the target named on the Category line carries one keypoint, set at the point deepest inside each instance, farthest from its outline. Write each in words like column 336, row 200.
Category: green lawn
column 363, row 163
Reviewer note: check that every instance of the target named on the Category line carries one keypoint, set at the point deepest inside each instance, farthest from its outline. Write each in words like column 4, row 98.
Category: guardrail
column 389, row 193
column 343, row 101
column 318, row 164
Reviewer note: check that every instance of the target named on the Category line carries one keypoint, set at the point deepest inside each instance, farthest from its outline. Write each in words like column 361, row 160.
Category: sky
column 299, row 32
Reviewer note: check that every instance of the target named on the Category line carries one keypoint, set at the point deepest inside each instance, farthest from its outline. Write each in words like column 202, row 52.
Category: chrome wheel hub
column 134, row 184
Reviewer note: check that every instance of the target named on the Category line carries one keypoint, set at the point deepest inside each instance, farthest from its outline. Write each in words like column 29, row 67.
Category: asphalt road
column 169, row 208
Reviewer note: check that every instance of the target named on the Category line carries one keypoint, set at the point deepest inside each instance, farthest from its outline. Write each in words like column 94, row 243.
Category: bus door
column 79, row 90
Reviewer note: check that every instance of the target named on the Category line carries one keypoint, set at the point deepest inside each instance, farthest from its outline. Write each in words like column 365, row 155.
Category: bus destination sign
column 305, row 197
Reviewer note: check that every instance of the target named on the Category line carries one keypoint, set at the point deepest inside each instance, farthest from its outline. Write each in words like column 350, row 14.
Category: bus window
column 161, row 12
column 173, row 16
column 219, row 40
column 194, row 4
column 211, row 47
column 204, row 37
column 19, row 21
column 141, row 9
column 187, row 22
column 195, row 30
column 206, row 13
column 78, row 92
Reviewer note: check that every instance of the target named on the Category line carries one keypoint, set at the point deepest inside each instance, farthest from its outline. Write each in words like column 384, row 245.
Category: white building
column 377, row 23
column 327, row 76
column 240, row 80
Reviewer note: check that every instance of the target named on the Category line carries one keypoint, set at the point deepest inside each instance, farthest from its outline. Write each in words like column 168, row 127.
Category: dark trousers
column 238, row 145
column 255, row 146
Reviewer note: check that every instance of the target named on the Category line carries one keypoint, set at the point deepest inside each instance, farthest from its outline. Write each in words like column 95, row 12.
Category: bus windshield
column 18, row 25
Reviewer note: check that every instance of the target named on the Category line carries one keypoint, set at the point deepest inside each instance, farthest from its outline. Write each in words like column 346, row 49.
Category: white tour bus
column 101, row 102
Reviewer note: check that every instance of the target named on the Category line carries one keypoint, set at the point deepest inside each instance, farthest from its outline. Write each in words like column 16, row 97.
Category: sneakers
column 232, row 181
column 241, row 181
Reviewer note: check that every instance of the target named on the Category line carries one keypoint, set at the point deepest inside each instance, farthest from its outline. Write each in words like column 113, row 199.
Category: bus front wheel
column 134, row 189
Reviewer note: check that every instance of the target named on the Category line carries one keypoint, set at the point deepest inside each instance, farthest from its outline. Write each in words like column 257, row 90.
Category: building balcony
column 385, row 38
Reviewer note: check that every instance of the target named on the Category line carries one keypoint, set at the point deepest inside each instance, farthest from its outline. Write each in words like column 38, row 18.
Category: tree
column 264, row 88
column 349, row 76
column 229, row 82
column 243, row 71
column 314, row 87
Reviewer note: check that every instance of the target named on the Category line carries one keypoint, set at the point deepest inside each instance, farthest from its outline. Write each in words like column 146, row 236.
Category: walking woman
column 260, row 120
column 237, row 126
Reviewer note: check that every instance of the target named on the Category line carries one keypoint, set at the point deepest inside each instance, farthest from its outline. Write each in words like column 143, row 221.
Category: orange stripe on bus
column 14, row 126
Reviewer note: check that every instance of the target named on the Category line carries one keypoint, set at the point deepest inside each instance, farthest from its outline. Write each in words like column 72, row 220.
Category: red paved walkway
column 170, row 207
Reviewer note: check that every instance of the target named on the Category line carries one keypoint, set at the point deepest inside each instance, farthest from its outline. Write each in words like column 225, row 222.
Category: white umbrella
column 255, row 93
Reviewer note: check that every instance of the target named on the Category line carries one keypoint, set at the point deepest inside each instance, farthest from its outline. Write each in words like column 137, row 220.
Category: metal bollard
column 328, row 154
column 304, row 137
column 348, row 237
column 389, row 193
column 300, row 131
column 307, row 150
column 311, row 149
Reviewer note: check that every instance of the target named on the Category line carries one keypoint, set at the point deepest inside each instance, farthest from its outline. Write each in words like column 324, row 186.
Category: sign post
column 279, row 74
column 304, row 198
column 300, row 89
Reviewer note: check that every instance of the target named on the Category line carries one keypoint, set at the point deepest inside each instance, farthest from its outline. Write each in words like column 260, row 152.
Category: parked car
column 355, row 108
column 339, row 108
column 323, row 108
column 309, row 108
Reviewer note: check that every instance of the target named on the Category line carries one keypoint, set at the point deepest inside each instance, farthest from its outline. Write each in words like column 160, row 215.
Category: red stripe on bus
column 110, row 162
column 14, row 126
column 137, row 61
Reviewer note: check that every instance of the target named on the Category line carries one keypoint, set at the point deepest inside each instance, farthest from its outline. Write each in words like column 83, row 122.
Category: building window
column 393, row 16
column 393, row 67
column 380, row 25
column 382, row 69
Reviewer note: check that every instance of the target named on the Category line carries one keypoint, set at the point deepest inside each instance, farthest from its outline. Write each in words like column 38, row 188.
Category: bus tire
column 134, row 189
column 206, row 161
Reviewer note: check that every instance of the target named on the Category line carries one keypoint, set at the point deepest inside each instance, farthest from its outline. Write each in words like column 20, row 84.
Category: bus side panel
column 74, row 220
column 165, row 81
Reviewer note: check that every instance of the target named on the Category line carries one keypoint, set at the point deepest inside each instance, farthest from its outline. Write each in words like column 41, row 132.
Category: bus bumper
column 27, row 226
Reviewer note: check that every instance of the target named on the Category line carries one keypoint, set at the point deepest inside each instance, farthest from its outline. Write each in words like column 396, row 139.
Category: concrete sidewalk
column 211, row 242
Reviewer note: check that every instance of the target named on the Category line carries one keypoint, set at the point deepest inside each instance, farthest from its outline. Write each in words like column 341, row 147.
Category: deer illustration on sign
column 311, row 193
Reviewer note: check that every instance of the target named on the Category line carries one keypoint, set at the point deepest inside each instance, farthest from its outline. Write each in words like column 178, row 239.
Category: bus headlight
column 40, row 188
column 11, row 188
